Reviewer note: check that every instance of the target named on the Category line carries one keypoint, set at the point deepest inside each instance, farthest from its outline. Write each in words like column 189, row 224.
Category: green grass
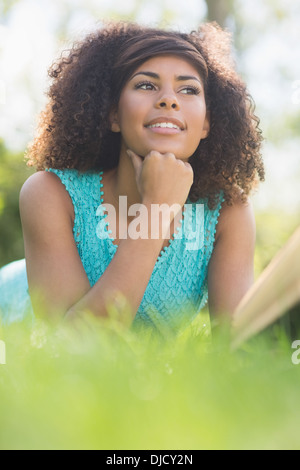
column 107, row 388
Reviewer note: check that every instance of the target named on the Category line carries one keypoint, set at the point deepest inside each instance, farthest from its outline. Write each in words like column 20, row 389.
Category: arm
column 231, row 272
column 56, row 277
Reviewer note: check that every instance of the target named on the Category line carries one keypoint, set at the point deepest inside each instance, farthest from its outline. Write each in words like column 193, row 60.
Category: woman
column 156, row 118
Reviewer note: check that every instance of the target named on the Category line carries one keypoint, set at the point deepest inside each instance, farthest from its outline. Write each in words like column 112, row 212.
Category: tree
column 13, row 173
column 219, row 11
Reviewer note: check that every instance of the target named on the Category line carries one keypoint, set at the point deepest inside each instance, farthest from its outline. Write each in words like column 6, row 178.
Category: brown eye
column 145, row 86
column 190, row 90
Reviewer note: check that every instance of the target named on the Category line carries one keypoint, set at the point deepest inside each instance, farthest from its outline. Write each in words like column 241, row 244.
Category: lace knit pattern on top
column 177, row 289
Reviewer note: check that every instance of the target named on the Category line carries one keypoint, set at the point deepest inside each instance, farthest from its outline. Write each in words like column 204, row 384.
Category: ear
column 206, row 127
column 114, row 122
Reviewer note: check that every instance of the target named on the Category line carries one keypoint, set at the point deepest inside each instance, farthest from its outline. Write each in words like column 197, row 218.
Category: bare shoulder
column 236, row 218
column 43, row 192
column 52, row 258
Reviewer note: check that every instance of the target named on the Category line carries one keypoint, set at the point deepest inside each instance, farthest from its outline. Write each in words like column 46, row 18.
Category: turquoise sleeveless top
column 177, row 289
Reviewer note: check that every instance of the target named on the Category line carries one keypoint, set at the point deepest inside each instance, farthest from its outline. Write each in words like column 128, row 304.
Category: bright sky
column 28, row 45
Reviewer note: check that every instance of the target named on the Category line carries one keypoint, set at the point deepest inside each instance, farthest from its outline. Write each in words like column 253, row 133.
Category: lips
column 166, row 123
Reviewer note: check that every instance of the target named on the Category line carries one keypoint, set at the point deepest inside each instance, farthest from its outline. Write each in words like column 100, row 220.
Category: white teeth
column 170, row 125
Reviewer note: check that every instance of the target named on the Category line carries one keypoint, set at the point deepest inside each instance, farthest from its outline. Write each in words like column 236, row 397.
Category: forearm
column 128, row 273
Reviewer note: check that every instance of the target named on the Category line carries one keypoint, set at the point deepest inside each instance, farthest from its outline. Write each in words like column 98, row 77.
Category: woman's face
column 162, row 107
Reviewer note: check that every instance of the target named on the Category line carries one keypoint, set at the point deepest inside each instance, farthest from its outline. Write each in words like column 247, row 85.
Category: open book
column 275, row 292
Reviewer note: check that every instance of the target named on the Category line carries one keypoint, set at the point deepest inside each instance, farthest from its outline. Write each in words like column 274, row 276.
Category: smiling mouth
column 164, row 129
column 164, row 125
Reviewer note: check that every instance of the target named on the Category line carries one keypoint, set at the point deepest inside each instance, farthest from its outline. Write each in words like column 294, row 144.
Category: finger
column 188, row 165
column 136, row 160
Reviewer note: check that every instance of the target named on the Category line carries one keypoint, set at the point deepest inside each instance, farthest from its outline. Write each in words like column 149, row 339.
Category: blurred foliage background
column 13, row 173
column 265, row 38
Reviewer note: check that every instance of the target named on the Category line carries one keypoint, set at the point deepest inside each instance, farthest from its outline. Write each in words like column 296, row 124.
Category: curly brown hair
column 74, row 130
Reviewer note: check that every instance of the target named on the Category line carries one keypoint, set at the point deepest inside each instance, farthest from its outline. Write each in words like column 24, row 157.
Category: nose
column 168, row 102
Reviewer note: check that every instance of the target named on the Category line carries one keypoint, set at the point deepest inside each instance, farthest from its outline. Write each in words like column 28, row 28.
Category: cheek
column 197, row 121
column 129, row 117
column 129, row 105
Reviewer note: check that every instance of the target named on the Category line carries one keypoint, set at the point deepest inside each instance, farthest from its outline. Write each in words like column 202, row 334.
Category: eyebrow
column 179, row 78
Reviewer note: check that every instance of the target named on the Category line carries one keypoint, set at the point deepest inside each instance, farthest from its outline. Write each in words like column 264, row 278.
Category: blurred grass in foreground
column 107, row 388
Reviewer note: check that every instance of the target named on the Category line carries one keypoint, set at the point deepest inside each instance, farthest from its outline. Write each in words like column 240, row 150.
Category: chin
column 163, row 151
